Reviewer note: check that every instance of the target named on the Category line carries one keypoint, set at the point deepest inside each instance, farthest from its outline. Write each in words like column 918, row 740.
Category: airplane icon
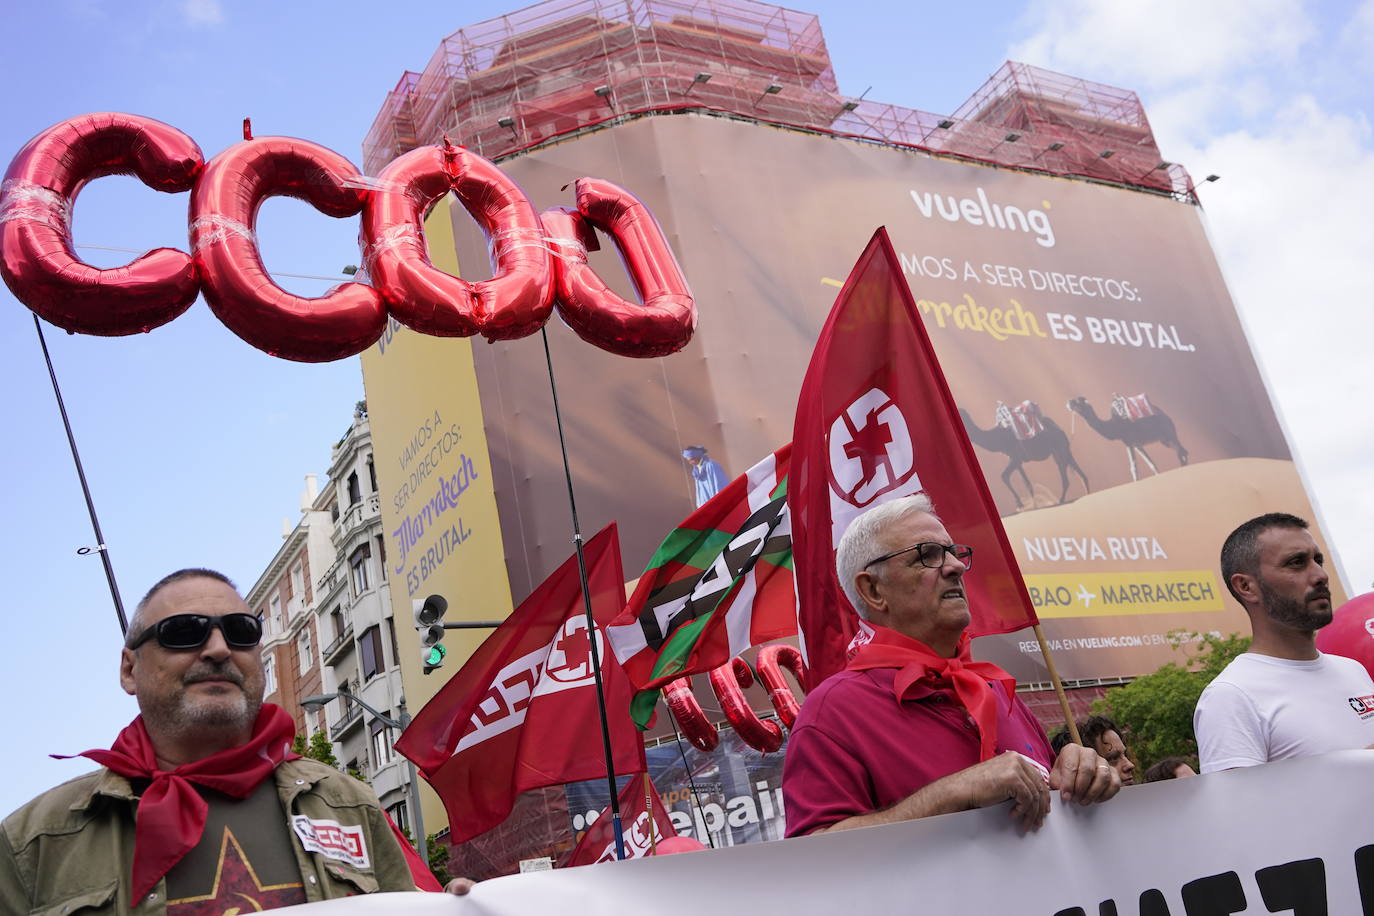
column 1085, row 596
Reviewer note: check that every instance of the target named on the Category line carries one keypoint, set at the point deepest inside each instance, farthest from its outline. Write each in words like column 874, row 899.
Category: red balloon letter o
column 37, row 259
column 515, row 302
column 224, row 207
column 683, row 706
column 771, row 661
column 665, row 322
column 726, row 681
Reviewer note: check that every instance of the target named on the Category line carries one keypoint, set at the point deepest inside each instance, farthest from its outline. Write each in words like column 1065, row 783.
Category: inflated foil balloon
column 515, row 302
column 761, row 734
column 665, row 321
column 224, row 207
column 37, row 258
column 771, row 662
column 691, row 718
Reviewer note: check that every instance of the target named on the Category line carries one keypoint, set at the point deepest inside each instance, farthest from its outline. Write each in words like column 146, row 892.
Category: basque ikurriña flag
column 646, row 821
column 876, row 421
column 718, row 584
column 522, row 712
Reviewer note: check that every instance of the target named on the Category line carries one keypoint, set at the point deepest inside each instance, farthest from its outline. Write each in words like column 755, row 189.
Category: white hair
column 861, row 542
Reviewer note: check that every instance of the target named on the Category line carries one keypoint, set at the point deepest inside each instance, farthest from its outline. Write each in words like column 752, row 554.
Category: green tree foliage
column 1156, row 711
column 438, row 854
column 319, row 748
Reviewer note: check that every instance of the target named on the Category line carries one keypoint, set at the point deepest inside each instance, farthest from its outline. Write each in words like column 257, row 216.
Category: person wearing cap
column 199, row 804
column 914, row 726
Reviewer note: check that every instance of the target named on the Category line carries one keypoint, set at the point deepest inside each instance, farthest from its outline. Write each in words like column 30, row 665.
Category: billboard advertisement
column 439, row 514
column 1085, row 331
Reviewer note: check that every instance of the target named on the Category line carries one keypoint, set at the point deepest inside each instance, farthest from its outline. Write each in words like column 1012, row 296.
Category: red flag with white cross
column 522, row 712
column 876, row 421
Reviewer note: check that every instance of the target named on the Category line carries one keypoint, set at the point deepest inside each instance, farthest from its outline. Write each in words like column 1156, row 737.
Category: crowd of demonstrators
column 914, row 727
column 1102, row 735
column 1283, row 698
column 199, row 800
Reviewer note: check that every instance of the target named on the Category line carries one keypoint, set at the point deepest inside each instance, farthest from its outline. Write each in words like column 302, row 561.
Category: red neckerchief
column 917, row 664
column 171, row 813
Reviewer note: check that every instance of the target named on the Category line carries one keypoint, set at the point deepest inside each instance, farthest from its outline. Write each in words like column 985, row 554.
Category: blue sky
column 196, row 444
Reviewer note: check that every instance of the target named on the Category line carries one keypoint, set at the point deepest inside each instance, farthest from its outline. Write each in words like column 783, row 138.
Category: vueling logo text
column 979, row 212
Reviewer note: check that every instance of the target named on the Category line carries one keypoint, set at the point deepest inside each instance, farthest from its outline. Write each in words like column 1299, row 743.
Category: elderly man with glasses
column 914, row 726
column 199, row 805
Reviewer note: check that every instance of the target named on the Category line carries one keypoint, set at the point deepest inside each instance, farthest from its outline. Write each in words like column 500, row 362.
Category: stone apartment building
column 326, row 601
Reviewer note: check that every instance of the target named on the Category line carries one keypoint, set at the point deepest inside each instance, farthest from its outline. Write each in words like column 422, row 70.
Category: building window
column 274, row 616
column 400, row 815
column 381, row 744
column 355, row 492
column 371, row 647
column 381, row 555
column 269, row 676
column 340, row 625
column 298, row 581
column 312, row 723
column 306, row 650
column 372, row 473
column 359, row 563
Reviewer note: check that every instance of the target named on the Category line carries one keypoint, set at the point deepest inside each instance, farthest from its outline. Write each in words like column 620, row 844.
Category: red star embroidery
column 237, row 888
column 869, row 445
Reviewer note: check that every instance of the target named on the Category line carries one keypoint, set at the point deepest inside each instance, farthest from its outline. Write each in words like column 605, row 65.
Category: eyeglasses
column 932, row 554
column 190, row 631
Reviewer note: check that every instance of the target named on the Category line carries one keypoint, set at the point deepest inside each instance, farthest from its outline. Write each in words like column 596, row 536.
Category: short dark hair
column 1164, row 769
column 1090, row 730
column 136, row 627
column 1240, row 552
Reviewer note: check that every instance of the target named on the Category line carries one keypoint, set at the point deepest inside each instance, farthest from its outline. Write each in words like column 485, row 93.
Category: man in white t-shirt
column 1282, row 698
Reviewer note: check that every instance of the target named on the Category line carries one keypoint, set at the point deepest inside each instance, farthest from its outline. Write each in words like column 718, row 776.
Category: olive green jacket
column 71, row 849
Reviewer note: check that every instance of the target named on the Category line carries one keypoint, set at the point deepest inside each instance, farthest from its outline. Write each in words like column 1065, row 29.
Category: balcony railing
column 361, row 512
column 343, row 641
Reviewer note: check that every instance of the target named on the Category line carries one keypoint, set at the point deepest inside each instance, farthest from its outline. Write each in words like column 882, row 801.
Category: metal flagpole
column 591, row 620
column 691, row 780
column 100, row 547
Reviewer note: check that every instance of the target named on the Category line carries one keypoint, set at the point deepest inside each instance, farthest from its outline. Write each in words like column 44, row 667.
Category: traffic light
column 429, row 615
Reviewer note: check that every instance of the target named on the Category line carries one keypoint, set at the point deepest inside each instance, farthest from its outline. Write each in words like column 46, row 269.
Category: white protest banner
column 1295, row 836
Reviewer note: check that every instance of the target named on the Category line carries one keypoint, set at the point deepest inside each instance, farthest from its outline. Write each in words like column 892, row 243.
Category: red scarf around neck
column 918, row 663
column 171, row 813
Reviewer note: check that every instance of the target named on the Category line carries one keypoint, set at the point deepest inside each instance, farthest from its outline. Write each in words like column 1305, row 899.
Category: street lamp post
column 417, row 819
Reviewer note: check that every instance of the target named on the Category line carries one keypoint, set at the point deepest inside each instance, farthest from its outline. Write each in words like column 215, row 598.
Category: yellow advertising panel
column 434, row 472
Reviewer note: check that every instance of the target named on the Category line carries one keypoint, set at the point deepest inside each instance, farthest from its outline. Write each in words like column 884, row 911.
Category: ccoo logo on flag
column 870, row 449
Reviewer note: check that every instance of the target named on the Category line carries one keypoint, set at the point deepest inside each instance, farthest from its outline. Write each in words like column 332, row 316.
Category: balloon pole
column 100, row 547
column 591, row 620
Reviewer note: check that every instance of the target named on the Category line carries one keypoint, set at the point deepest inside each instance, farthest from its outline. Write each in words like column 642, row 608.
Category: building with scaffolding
column 1054, row 255
column 551, row 72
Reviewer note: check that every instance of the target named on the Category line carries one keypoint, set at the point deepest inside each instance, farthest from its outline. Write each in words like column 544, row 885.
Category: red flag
column 522, row 713
column 875, row 421
column 646, row 824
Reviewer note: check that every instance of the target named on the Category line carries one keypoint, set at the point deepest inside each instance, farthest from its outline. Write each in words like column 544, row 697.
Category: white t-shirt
column 1262, row 708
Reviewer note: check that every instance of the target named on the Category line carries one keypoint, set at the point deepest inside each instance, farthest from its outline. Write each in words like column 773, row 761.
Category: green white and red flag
column 718, row 584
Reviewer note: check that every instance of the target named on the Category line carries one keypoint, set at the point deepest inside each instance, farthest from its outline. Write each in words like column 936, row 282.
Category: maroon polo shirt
column 855, row 749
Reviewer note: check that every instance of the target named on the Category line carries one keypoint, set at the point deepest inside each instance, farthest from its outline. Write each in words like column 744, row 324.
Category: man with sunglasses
column 914, row 726
column 200, row 806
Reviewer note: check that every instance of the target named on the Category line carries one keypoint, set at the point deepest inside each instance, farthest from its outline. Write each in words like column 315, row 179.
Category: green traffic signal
column 435, row 656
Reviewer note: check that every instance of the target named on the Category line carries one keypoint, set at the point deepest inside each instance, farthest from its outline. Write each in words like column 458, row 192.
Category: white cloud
column 1289, row 219
column 1162, row 43
column 202, row 13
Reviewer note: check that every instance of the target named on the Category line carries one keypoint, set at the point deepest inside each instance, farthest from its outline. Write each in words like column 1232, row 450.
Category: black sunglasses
column 932, row 554
column 190, row 631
